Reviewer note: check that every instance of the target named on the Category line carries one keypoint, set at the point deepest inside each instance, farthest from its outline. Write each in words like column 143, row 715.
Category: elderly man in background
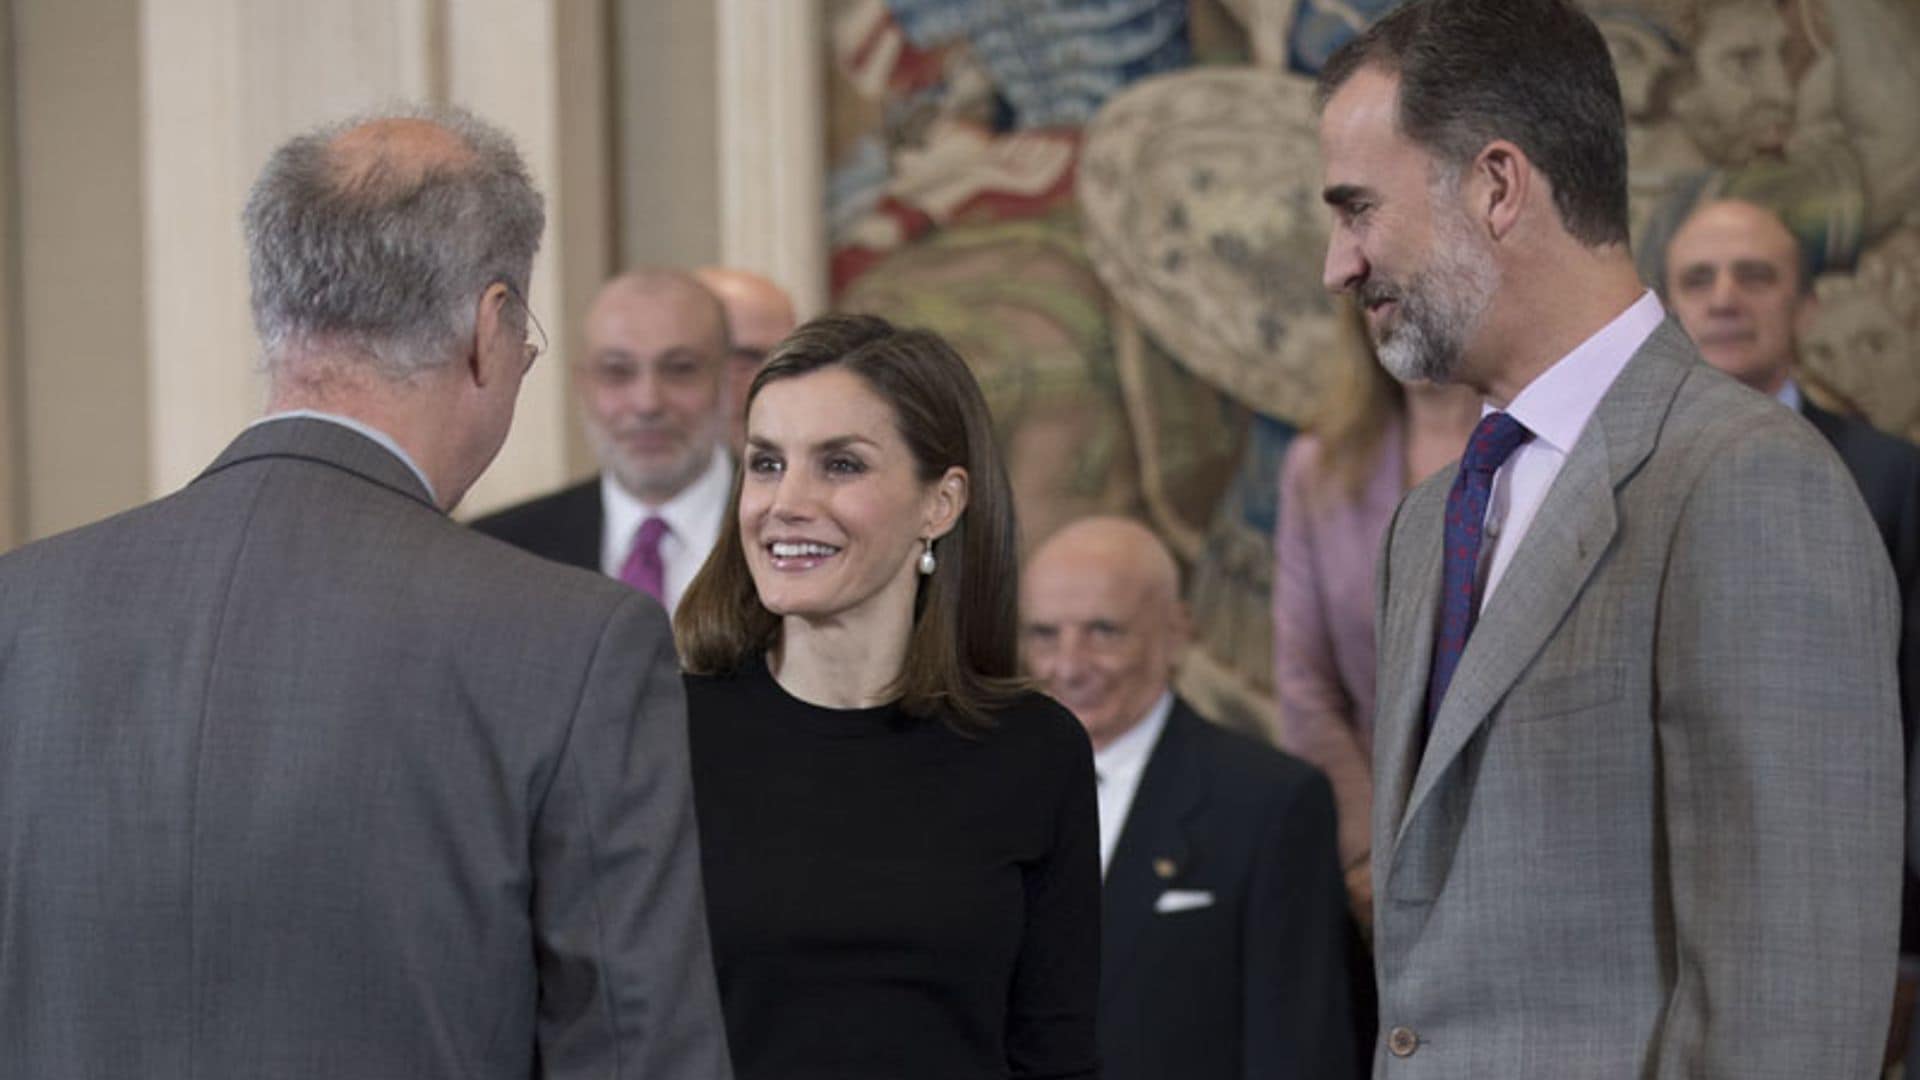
column 300, row 779
column 653, row 395
column 1637, row 803
column 1226, row 934
column 759, row 314
column 1737, row 281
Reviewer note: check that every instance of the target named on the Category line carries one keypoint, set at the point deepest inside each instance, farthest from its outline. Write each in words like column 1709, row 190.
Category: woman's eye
column 845, row 466
column 763, row 463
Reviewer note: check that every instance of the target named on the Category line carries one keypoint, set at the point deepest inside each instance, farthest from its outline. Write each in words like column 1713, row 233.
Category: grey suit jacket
column 299, row 778
column 1655, row 831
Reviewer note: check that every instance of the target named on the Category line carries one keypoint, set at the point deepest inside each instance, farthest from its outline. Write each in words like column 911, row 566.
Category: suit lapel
column 577, row 541
column 1572, row 530
column 1153, row 838
column 323, row 443
column 1410, row 609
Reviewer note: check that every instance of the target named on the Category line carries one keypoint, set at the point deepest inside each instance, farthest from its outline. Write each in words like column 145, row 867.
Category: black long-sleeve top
column 889, row 898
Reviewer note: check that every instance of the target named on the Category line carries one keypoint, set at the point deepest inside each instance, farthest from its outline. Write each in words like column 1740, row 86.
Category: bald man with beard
column 1227, row 942
column 654, row 397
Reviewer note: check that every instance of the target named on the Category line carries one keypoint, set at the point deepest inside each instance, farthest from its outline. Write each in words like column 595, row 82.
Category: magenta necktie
column 643, row 569
column 1494, row 440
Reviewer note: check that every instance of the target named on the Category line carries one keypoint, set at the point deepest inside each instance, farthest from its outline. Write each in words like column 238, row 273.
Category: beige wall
column 9, row 420
column 138, row 127
column 665, row 122
column 80, row 329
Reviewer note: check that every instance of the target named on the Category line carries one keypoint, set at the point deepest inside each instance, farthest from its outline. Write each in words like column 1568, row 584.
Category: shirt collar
column 695, row 511
column 1127, row 755
column 1556, row 405
column 385, row 440
column 1789, row 395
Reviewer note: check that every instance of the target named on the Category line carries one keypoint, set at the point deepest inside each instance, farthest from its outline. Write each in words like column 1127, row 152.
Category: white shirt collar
column 1789, row 395
column 1557, row 404
column 385, row 440
column 1119, row 766
column 693, row 520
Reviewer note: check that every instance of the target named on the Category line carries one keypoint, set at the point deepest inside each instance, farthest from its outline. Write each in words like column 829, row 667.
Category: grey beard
column 1439, row 310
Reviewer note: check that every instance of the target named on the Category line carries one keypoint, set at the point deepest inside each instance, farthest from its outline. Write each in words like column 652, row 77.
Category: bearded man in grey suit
column 1637, row 749
column 298, row 778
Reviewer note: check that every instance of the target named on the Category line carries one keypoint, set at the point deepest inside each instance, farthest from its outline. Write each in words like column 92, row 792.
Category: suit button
column 1402, row 1041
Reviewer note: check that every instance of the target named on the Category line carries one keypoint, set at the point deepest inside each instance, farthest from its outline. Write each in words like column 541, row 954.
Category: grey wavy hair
column 387, row 263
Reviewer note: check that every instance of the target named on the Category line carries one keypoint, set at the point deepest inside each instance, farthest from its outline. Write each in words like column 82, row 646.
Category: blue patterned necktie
column 1494, row 440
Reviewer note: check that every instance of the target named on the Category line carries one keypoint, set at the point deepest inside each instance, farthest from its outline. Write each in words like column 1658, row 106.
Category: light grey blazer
column 1656, row 829
column 299, row 778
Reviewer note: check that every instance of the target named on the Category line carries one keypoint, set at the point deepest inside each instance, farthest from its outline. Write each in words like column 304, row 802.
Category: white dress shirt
column 1119, row 766
column 385, row 440
column 693, row 524
column 1556, row 406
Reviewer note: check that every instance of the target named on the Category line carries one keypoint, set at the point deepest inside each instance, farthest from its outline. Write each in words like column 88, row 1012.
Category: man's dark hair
column 1533, row 72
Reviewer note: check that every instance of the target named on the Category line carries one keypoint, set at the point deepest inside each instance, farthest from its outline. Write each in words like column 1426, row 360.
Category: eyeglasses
column 532, row 350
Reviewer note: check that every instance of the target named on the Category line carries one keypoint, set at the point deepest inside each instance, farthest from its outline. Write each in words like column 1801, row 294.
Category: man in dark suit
column 1226, row 934
column 1738, row 282
column 1637, row 791
column 300, row 779
column 653, row 394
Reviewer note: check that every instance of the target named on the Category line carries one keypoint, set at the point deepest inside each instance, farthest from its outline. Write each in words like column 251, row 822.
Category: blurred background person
column 653, row 398
column 1737, row 280
column 1339, row 484
column 759, row 314
column 1226, row 938
column 900, row 844
column 300, row 779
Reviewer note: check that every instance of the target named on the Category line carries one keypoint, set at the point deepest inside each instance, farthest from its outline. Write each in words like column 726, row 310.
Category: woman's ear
column 946, row 502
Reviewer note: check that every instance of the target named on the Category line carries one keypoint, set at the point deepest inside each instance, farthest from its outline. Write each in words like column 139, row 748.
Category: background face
column 1733, row 280
column 652, row 388
column 1099, row 641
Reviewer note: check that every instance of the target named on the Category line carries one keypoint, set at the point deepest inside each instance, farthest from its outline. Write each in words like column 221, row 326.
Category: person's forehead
column 1727, row 232
column 1363, row 108
column 819, row 406
column 664, row 317
column 1088, row 582
column 1361, row 146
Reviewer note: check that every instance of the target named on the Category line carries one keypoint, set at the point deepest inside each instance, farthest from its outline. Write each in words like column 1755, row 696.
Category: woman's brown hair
column 962, row 653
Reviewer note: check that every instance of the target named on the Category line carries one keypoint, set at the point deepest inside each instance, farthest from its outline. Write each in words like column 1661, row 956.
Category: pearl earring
column 927, row 563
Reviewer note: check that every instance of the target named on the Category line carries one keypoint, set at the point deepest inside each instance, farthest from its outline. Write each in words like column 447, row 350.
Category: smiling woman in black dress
column 900, row 844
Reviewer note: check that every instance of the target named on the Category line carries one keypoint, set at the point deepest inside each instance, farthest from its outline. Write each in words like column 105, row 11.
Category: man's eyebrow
column 1340, row 196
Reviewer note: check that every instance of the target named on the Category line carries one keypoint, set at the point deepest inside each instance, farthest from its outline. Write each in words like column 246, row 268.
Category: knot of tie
column 1494, row 440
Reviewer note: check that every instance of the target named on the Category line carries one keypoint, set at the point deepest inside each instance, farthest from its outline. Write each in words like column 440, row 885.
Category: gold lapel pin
column 1165, row 868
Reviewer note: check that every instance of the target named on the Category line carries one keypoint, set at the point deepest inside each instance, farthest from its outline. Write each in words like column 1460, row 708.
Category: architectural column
column 772, row 90
column 10, row 433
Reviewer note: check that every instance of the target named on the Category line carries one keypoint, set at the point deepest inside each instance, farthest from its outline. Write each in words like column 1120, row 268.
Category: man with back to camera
column 1226, row 937
column 654, row 400
column 759, row 314
column 1637, row 804
column 1736, row 279
column 298, row 778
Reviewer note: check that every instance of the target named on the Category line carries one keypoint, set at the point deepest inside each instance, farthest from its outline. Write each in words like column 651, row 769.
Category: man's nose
column 1345, row 267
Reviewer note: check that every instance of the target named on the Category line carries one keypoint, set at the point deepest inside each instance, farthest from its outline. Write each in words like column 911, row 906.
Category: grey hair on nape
column 380, row 264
